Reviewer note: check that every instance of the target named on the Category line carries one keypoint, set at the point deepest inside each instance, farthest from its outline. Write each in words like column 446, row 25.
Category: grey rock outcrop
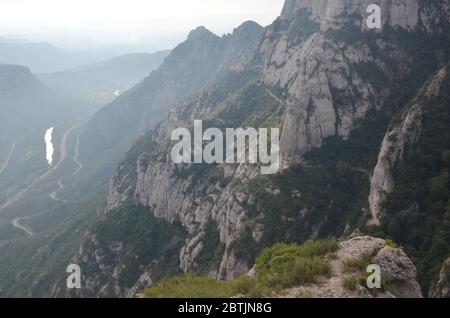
column 397, row 271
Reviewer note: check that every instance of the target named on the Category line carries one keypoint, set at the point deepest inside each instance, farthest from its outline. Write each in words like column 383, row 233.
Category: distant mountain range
column 42, row 57
column 100, row 83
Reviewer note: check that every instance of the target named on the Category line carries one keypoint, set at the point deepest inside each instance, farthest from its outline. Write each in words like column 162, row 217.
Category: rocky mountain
column 336, row 89
column 100, row 83
column 187, row 68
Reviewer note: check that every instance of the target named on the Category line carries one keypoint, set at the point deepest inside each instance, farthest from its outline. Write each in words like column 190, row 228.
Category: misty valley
column 305, row 155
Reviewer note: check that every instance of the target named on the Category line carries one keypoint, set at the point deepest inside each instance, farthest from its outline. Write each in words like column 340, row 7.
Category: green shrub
column 288, row 265
column 392, row 244
column 189, row 286
column 438, row 185
column 356, row 264
column 350, row 282
column 304, row 294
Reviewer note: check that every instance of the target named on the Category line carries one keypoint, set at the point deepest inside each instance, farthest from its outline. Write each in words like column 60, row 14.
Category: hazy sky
column 129, row 21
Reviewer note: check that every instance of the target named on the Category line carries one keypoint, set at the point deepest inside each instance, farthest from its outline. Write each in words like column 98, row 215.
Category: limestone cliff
column 325, row 75
column 400, row 139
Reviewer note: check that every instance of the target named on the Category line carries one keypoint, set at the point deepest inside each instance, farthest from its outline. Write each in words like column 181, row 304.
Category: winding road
column 25, row 228
column 53, row 194
column 63, row 152
column 11, row 151
column 20, row 194
column 75, row 157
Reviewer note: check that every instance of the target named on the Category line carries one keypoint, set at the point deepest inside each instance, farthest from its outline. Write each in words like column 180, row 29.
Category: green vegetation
column 143, row 239
column 285, row 265
column 189, row 286
column 30, row 266
column 372, row 74
column 392, row 244
column 353, row 265
column 308, row 196
column 251, row 106
column 304, row 294
column 279, row 267
column 350, row 282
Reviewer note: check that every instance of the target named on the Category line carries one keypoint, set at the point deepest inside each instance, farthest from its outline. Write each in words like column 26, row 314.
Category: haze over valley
column 92, row 91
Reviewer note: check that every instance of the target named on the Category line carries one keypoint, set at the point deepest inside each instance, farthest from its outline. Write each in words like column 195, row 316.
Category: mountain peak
column 200, row 33
column 13, row 69
column 13, row 75
column 248, row 26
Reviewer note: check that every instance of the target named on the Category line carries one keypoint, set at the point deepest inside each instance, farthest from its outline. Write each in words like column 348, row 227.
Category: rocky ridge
column 397, row 272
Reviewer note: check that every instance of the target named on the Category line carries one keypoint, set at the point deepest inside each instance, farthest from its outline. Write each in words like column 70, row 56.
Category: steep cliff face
column 317, row 74
column 309, row 52
column 400, row 140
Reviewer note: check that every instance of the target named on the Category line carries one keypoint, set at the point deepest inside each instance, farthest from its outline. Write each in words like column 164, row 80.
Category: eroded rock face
column 327, row 94
column 400, row 138
column 323, row 77
column 311, row 72
column 359, row 247
column 398, row 272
